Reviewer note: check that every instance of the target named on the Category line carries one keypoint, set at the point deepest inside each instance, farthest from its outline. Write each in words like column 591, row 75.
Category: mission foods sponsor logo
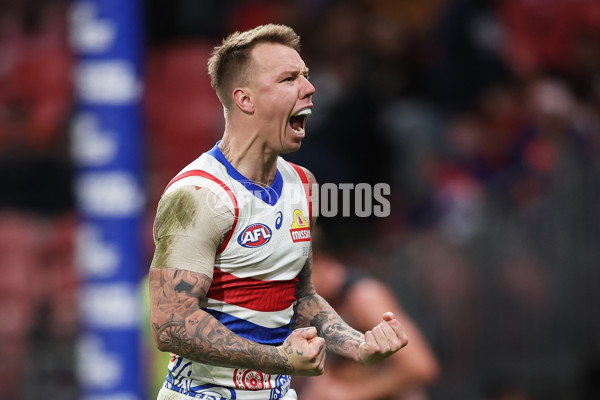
column 255, row 235
column 300, row 229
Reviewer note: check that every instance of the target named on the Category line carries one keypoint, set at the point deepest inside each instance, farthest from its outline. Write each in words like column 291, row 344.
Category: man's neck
column 250, row 156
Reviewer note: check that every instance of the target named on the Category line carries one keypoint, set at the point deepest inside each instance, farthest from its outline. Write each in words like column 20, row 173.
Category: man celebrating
column 230, row 283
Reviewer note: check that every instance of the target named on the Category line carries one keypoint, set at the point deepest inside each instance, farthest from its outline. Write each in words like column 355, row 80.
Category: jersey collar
column 269, row 194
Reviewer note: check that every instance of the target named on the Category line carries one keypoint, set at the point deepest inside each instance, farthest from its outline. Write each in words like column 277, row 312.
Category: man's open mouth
column 298, row 120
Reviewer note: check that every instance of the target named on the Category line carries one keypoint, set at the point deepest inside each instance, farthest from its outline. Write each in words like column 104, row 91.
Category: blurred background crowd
column 482, row 115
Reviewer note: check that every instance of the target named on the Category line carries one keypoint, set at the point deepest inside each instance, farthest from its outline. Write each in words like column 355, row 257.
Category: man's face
column 282, row 95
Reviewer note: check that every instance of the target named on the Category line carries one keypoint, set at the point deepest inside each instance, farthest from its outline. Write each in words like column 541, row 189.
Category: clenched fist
column 304, row 351
column 382, row 341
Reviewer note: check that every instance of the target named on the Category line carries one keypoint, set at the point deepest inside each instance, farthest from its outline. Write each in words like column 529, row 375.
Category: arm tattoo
column 313, row 310
column 180, row 326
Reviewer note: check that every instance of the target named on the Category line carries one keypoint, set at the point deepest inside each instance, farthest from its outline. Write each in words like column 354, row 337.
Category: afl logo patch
column 255, row 235
column 251, row 380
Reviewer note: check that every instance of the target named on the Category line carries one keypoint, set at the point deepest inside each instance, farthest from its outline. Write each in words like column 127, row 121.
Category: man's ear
column 242, row 98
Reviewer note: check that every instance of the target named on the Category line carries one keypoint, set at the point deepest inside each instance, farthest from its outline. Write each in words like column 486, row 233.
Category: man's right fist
column 304, row 351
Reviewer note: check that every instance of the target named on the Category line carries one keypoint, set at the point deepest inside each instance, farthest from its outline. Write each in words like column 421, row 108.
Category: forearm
column 181, row 327
column 202, row 338
column 341, row 339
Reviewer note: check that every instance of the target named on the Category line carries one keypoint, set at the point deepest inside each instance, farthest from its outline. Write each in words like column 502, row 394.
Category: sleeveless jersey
column 255, row 273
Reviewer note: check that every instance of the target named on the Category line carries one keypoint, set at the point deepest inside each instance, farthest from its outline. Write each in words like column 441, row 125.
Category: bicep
column 306, row 299
column 305, row 287
column 175, row 293
column 174, row 296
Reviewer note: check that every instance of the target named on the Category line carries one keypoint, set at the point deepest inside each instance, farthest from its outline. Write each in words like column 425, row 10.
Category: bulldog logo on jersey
column 250, row 379
column 300, row 229
column 255, row 235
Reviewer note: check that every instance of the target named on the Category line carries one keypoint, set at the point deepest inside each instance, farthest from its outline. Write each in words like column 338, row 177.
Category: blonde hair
column 229, row 61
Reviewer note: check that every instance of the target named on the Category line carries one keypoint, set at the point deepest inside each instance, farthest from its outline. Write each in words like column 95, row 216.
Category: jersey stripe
column 272, row 319
column 306, row 185
column 204, row 174
column 254, row 332
column 251, row 293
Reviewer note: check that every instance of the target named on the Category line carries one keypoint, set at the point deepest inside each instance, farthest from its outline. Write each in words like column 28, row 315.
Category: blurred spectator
column 38, row 316
column 362, row 300
column 549, row 34
column 468, row 53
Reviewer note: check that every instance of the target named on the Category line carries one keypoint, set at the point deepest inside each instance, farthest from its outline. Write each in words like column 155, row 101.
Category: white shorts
column 167, row 394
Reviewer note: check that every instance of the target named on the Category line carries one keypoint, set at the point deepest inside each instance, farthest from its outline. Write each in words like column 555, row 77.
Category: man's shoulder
column 301, row 170
column 195, row 206
column 205, row 162
column 205, row 171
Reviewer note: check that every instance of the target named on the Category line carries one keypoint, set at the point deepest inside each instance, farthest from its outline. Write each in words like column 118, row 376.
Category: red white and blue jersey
column 255, row 272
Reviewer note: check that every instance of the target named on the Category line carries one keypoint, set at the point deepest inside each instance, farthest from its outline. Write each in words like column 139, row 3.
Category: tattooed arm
column 179, row 326
column 188, row 230
column 375, row 345
column 311, row 309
